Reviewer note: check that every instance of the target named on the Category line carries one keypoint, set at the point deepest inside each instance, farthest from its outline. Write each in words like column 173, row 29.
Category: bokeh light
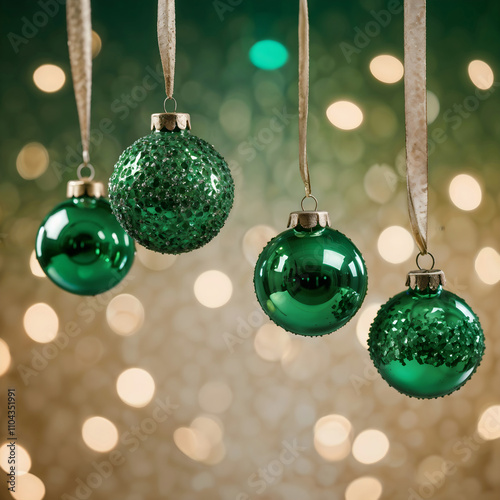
column 395, row 244
column 29, row 487
column 364, row 488
column 254, row 241
column 96, row 44
column 487, row 266
column 481, row 74
column 213, row 288
column 345, row 115
column 41, row 323
column 32, row 161
column 136, row 387
column 22, row 457
column 365, row 319
column 125, row 314
column 268, row 54
column 5, row 358
column 35, row 267
column 386, row 68
column 488, row 426
column 332, row 435
column 49, row 78
column 432, row 106
column 154, row 260
column 465, row 192
column 271, row 342
column 192, row 443
column 380, row 183
column 99, row 434
column 370, row 446
column 215, row 397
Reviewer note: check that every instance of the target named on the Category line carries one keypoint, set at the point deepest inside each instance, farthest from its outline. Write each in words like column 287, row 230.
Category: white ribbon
column 166, row 42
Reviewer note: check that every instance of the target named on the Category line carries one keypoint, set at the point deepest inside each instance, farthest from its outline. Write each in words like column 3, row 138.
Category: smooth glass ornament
column 310, row 281
column 171, row 191
column 82, row 248
column 426, row 344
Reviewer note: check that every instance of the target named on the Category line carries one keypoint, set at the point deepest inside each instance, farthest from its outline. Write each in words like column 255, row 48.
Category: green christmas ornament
column 171, row 191
column 80, row 245
column 310, row 279
column 426, row 342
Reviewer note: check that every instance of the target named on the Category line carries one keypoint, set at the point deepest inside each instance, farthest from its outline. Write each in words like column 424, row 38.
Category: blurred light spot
column 213, row 289
column 364, row 488
column 154, row 260
column 32, row 161
column 481, row 74
column 488, row 266
column 23, row 459
column 268, row 54
column 365, row 319
column 387, row 69
column 235, row 117
column 488, row 426
column 49, row 77
column 271, row 342
column 380, row 183
column 332, row 437
column 215, row 397
column 5, row 358
column 96, row 44
column 395, row 244
column 36, row 270
column 125, row 314
column 432, row 106
column 99, row 434
column 254, row 241
column 345, row 115
column 370, row 446
column 209, row 427
column 428, row 467
column 192, row 443
column 136, row 387
column 41, row 323
column 465, row 192
column 29, row 487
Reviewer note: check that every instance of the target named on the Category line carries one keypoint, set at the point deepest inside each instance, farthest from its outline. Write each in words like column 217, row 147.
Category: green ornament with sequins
column 426, row 342
column 171, row 191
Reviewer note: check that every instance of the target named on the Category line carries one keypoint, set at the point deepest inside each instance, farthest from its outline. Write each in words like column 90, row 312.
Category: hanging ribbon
column 416, row 119
column 80, row 55
column 303, row 93
column 166, row 42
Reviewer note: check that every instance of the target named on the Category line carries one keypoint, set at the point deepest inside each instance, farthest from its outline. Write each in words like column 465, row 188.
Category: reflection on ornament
column 426, row 342
column 80, row 245
column 311, row 279
column 171, row 191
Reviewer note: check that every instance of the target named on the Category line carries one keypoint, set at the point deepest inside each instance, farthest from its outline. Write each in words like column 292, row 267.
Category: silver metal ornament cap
column 309, row 219
column 422, row 279
column 85, row 187
column 170, row 121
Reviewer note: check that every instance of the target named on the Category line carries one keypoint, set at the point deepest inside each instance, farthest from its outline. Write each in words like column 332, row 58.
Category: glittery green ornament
column 171, row 191
column 426, row 342
column 80, row 245
column 311, row 279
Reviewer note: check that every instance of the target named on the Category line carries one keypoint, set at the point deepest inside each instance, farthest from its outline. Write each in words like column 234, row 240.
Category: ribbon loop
column 166, row 42
column 416, row 118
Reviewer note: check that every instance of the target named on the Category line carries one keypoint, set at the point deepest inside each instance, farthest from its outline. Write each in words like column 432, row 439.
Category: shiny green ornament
column 171, row 191
column 80, row 245
column 310, row 279
column 426, row 342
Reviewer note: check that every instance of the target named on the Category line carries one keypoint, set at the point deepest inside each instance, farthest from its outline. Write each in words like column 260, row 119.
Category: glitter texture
column 171, row 191
column 82, row 248
column 426, row 344
column 310, row 281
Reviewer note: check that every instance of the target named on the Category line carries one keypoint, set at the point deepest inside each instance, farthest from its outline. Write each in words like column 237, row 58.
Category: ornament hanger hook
column 416, row 118
column 303, row 93
column 315, row 201
column 166, row 42
column 81, row 167
column 420, row 254
column 80, row 54
column 165, row 103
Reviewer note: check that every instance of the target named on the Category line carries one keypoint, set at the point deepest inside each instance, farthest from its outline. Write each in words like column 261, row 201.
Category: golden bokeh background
column 175, row 384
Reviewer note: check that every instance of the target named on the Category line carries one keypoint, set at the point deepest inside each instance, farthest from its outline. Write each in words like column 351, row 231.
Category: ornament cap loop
column 308, row 219
column 170, row 121
column 85, row 187
column 422, row 279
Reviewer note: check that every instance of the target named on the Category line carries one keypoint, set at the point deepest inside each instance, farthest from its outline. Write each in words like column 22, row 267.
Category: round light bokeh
column 49, row 78
column 465, row 192
column 395, row 244
column 345, row 115
column 135, row 387
column 99, row 434
column 213, row 289
column 386, row 68
column 41, row 323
